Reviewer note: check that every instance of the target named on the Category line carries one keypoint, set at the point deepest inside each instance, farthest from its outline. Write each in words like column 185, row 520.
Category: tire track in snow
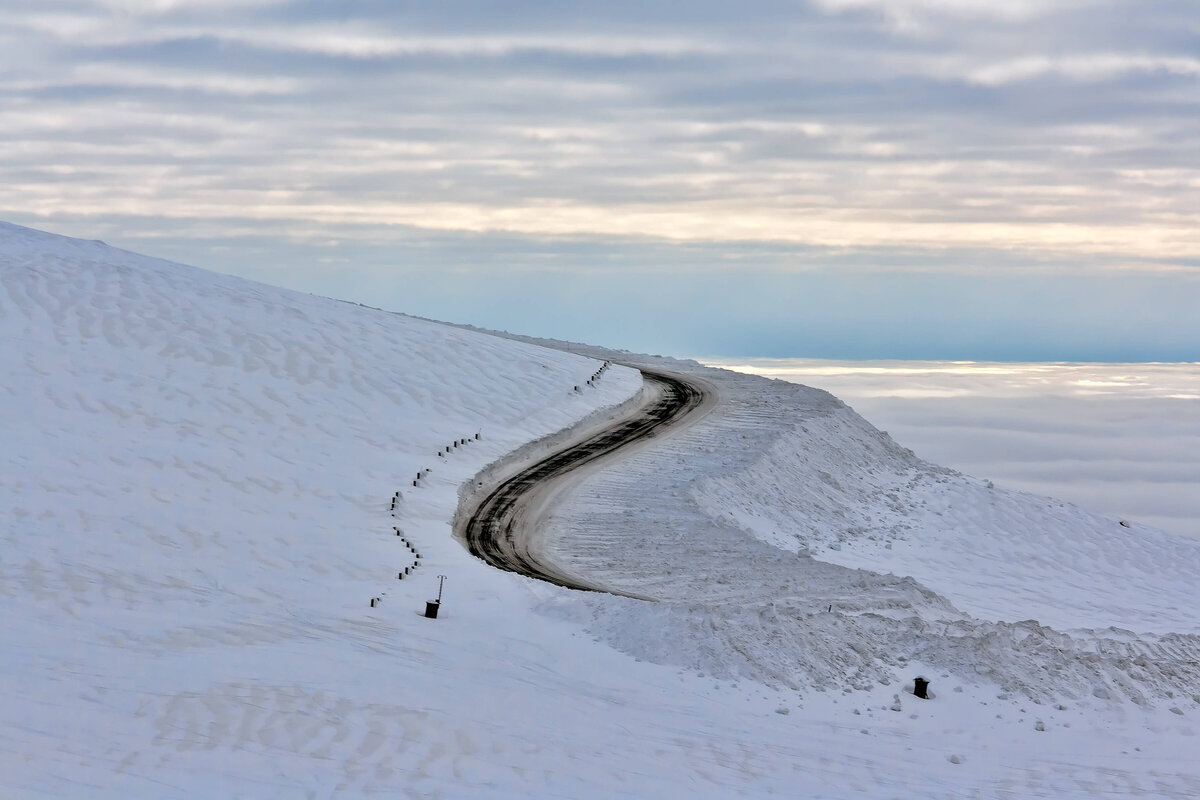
column 498, row 531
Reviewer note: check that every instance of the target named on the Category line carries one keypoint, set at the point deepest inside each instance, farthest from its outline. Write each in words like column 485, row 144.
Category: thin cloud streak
column 1095, row 67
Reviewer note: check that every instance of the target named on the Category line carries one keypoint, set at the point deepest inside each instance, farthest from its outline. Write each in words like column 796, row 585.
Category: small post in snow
column 432, row 606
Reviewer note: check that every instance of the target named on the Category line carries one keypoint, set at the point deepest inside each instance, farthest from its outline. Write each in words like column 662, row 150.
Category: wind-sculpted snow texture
column 207, row 490
column 775, row 532
column 195, row 468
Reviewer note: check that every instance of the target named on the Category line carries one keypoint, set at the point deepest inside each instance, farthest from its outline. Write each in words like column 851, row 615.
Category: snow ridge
column 774, row 533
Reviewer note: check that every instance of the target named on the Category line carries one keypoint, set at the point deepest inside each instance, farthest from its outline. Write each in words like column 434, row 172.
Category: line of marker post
column 597, row 375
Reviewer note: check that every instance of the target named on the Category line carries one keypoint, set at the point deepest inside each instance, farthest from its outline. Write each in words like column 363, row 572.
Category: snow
column 197, row 471
column 804, row 547
column 1119, row 438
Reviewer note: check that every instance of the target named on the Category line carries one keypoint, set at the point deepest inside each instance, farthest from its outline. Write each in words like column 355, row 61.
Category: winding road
column 498, row 531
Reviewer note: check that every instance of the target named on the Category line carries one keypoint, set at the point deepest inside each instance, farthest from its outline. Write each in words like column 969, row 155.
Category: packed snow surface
column 206, row 482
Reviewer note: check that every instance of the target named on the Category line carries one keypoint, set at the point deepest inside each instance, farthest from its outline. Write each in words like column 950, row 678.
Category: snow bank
column 836, row 487
column 791, row 542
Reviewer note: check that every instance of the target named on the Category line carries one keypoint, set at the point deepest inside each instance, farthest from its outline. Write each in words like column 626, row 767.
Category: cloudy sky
column 1012, row 180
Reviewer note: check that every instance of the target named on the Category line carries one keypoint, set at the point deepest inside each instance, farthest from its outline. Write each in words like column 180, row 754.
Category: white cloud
column 377, row 39
column 719, row 125
column 914, row 15
column 358, row 42
column 1093, row 67
column 158, row 7
column 142, row 78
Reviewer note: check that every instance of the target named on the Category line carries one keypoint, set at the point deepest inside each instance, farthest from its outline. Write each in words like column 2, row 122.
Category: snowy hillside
column 197, row 477
column 805, row 547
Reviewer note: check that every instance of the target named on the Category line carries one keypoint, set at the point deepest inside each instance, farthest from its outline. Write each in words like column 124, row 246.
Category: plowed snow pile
column 197, row 476
column 806, row 547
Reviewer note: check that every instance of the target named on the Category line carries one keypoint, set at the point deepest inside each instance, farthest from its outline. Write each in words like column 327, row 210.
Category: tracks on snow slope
column 498, row 531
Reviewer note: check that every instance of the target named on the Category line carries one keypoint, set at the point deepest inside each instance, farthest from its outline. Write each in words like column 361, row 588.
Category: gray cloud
column 836, row 135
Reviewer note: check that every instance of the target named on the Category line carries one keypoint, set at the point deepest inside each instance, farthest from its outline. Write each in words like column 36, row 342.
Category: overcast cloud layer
column 1122, row 439
column 373, row 149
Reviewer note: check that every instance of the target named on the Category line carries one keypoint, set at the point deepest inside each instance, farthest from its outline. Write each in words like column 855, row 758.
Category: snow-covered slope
column 801, row 545
column 162, row 419
column 195, row 466
column 196, row 477
column 832, row 485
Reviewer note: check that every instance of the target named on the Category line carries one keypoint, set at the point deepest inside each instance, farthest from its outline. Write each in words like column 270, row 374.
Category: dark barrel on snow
column 431, row 609
column 921, row 687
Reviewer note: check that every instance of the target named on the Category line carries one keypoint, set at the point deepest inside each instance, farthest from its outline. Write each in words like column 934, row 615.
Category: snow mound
column 791, row 542
column 836, row 487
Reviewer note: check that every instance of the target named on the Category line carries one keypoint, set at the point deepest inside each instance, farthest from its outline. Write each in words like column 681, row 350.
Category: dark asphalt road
column 495, row 531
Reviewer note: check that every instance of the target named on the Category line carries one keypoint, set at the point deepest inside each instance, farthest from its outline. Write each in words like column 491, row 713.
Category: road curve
column 496, row 531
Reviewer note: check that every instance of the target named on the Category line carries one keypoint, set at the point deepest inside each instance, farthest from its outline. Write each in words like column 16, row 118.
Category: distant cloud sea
column 1122, row 439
